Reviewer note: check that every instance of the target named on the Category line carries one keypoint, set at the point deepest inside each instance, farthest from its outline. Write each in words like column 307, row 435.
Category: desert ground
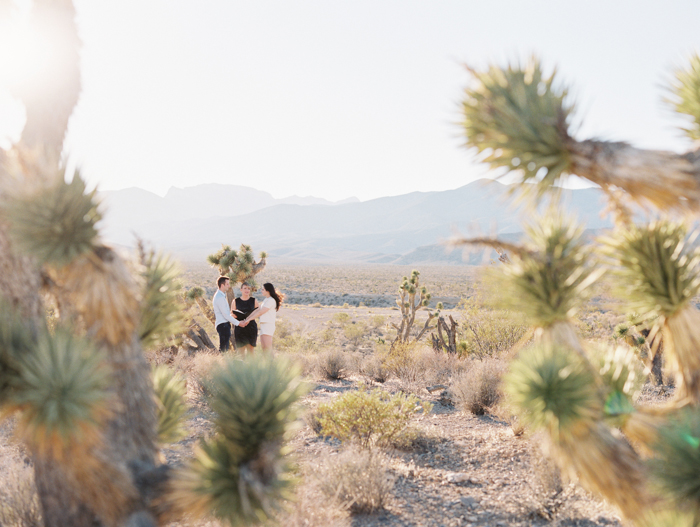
column 465, row 462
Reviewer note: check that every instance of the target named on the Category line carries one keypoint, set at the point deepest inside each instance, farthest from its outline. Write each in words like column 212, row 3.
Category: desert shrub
column 377, row 321
column 415, row 439
column 341, row 318
column 307, row 363
column 478, row 389
column 333, row 365
column 327, row 335
column 201, row 369
column 283, row 329
column 346, row 305
column 355, row 332
column 316, row 304
column 19, row 502
column 400, row 361
column 369, row 417
column 373, row 368
column 300, row 343
column 487, row 331
column 358, row 479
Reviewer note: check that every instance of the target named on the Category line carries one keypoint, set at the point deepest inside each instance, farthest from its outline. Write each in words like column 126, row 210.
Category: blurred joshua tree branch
column 521, row 120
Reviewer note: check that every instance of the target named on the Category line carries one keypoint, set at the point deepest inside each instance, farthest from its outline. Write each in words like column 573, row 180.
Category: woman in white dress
column 267, row 313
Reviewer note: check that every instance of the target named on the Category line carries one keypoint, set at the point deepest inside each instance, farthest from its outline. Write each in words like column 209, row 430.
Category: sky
column 335, row 98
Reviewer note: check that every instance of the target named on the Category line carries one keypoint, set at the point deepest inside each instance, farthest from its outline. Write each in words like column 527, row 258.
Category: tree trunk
column 657, row 360
column 199, row 336
column 59, row 503
column 48, row 114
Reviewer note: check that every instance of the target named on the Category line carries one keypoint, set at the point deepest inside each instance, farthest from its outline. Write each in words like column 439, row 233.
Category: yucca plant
column 82, row 392
column 520, row 119
column 412, row 298
column 658, row 271
column 677, row 462
column 170, row 390
column 240, row 266
column 196, row 295
column 547, row 277
column 240, row 475
column 556, row 390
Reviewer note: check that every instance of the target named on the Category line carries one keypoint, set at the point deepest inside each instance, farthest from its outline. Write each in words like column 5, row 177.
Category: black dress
column 249, row 334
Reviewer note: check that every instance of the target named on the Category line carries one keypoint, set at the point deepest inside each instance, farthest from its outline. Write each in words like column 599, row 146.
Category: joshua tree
column 412, row 298
column 83, row 394
column 580, row 393
column 240, row 266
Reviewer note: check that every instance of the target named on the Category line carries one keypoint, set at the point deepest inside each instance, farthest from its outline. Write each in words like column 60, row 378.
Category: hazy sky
column 345, row 98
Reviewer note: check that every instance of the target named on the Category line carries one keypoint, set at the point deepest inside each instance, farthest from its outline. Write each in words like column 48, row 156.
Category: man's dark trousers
column 224, row 331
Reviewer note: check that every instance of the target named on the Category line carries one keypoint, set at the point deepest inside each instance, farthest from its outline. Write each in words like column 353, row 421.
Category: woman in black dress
column 246, row 337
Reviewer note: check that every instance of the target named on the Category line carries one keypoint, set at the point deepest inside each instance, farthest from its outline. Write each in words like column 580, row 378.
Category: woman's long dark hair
column 279, row 297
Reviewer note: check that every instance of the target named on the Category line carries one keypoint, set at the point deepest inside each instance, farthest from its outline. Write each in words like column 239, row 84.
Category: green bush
column 377, row 321
column 369, row 417
column 341, row 318
column 487, row 332
column 355, row 332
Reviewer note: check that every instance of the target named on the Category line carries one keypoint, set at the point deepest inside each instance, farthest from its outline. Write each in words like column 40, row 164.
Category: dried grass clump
column 373, row 368
column 311, row 507
column 478, row 389
column 357, row 479
column 401, row 361
column 201, row 368
column 332, row 365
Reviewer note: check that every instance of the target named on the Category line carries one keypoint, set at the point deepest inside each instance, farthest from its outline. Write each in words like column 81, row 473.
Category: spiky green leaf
column 553, row 389
column 237, row 493
column 15, row 341
column 62, row 391
column 685, row 95
column 170, row 390
column 240, row 474
column 677, row 464
column 551, row 277
column 254, row 401
column 54, row 224
column 194, row 293
column 161, row 313
column 519, row 118
column 656, row 266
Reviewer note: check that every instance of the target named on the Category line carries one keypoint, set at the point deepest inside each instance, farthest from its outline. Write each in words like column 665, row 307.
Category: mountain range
column 406, row 229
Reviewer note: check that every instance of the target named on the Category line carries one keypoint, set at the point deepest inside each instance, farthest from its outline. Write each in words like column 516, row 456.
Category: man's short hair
column 221, row 281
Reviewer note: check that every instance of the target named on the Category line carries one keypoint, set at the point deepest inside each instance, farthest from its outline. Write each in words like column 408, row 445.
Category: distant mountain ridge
column 130, row 209
column 397, row 229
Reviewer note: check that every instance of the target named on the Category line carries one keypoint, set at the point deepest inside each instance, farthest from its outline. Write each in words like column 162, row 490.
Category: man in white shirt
column 222, row 311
